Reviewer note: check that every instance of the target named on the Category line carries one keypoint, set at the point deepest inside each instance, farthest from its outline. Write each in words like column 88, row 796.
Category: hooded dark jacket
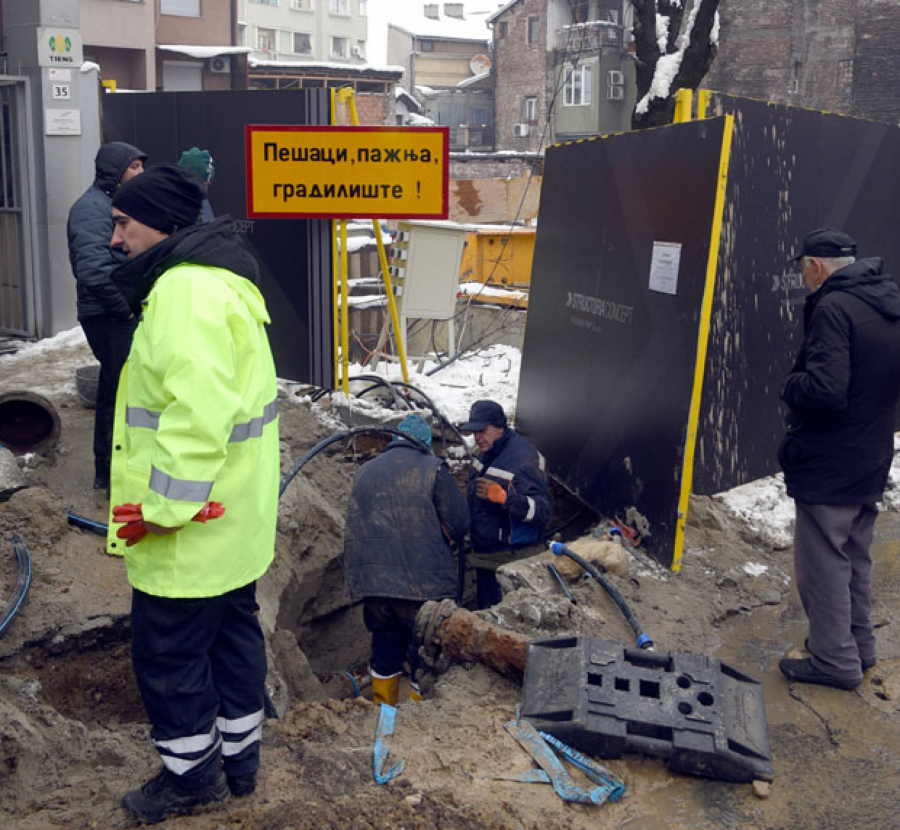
column 842, row 392
column 403, row 507
column 89, row 230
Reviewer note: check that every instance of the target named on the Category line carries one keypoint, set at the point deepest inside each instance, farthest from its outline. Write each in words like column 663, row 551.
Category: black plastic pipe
column 643, row 640
column 23, row 581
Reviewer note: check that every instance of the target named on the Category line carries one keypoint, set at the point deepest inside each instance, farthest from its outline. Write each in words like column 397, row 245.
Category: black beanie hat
column 164, row 197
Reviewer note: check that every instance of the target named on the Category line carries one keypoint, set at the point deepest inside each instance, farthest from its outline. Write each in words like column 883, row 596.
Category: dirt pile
column 73, row 735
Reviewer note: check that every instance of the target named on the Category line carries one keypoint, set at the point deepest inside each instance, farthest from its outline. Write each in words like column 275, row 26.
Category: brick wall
column 521, row 70
column 835, row 55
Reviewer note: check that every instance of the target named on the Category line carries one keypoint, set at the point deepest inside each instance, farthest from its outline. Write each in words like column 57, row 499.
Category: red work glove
column 135, row 529
column 490, row 490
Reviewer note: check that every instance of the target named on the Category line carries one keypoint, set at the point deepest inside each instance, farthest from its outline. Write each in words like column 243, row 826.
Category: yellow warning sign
column 347, row 172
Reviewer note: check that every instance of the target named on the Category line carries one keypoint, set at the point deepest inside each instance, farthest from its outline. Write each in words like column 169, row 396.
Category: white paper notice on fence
column 664, row 267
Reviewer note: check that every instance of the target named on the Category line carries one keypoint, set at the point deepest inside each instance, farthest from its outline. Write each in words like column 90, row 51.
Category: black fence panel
column 792, row 170
column 294, row 254
column 610, row 355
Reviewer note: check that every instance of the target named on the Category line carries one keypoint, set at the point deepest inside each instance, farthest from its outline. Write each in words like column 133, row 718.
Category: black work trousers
column 110, row 341
column 200, row 666
column 391, row 622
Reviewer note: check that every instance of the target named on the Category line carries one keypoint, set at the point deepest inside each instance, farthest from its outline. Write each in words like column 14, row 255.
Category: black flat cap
column 827, row 243
column 483, row 414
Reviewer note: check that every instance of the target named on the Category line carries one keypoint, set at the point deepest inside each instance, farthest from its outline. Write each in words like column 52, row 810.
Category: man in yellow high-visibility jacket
column 196, row 422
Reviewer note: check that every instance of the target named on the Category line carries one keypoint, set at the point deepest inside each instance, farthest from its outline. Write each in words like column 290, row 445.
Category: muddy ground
column 73, row 736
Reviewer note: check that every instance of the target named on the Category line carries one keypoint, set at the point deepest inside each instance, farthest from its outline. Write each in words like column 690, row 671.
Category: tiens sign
column 59, row 47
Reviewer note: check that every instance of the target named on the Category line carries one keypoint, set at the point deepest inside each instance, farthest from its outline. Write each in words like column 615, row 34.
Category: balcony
column 586, row 39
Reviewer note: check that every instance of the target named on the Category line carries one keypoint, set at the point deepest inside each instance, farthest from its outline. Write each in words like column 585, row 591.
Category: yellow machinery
column 498, row 255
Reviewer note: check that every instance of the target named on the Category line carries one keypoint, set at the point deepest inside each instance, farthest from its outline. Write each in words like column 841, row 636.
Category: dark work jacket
column 842, row 392
column 515, row 464
column 401, row 504
column 89, row 230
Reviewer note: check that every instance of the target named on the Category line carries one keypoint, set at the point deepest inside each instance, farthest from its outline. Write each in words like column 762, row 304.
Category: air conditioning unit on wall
column 521, row 130
column 220, row 64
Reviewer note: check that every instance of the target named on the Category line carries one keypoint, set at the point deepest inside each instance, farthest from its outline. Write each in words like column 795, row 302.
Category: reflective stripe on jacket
column 196, row 421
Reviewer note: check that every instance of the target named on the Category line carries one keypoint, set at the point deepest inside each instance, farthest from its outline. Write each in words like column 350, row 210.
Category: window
column 265, row 2
column 478, row 117
column 359, row 51
column 426, row 45
column 265, row 40
column 502, row 29
column 301, row 5
column 182, row 8
column 577, row 90
column 531, row 109
column 534, row 30
column 363, row 11
column 341, row 7
column 302, row 43
column 340, row 47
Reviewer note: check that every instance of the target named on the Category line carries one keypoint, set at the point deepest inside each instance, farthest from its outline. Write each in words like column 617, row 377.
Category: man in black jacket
column 509, row 498
column 842, row 395
column 104, row 315
column 405, row 510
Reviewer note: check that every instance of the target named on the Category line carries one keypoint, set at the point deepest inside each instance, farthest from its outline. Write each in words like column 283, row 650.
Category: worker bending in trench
column 405, row 510
column 196, row 423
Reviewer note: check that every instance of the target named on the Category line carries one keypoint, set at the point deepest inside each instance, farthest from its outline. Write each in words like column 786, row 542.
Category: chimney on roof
column 453, row 10
column 431, row 11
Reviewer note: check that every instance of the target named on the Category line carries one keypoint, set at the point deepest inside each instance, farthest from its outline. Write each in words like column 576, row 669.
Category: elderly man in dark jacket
column 509, row 497
column 104, row 315
column 842, row 395
column 405, row 509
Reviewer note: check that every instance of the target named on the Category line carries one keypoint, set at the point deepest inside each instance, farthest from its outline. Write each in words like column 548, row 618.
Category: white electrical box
column 427, row 256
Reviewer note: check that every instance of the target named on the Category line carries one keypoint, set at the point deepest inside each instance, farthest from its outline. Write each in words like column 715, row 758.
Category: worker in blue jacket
column 509, row 497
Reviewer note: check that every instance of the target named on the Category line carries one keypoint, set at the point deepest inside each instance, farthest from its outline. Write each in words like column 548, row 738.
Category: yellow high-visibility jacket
column 196, row 421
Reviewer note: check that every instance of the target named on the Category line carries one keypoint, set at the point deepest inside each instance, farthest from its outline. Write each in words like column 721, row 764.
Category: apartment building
column 304, row 30
column 444, row 50
column 562, row 70
column 170, row 45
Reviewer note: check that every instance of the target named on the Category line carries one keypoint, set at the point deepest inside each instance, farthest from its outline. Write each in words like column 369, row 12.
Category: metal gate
column 16, row 271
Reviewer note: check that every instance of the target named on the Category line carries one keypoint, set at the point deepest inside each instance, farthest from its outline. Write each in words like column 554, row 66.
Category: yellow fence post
column 346, row 94
column 683, row 100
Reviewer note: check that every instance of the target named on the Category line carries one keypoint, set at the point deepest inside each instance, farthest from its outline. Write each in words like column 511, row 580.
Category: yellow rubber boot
column 385, row 689
column 415, row 692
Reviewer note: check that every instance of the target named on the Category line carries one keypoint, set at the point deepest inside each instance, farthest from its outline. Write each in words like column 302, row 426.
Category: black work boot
column 241, row 785
column 804, row 671
column 163, row 796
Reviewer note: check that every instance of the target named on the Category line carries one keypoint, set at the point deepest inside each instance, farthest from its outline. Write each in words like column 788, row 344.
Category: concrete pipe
column 28, row 422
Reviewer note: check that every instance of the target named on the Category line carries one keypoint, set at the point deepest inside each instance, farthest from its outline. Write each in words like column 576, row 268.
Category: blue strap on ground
column 596, row 772
column 383, row 731
column 538, row 748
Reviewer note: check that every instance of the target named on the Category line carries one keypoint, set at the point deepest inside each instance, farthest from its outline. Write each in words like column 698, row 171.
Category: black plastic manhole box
column 601, row 697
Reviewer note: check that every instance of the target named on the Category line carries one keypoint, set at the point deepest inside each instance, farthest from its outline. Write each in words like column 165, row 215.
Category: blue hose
column 643, row 640
column 23, row 560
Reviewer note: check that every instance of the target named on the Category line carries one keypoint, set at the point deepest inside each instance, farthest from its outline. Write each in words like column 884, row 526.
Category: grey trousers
column 833, row 571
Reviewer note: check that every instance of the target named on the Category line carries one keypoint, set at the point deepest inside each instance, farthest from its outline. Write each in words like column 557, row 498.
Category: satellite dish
column 480, row 64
